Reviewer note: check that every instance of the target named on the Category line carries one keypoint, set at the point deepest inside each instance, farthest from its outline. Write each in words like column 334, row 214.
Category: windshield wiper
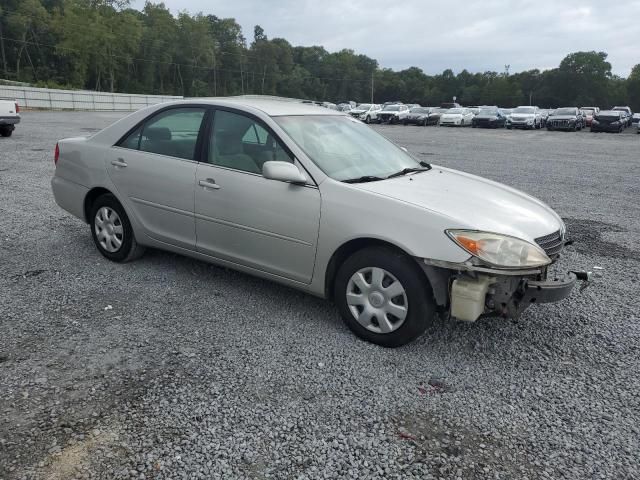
column 363, row 179
column 425, row 166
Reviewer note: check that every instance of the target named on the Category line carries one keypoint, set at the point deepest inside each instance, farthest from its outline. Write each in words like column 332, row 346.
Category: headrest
column 157, row 133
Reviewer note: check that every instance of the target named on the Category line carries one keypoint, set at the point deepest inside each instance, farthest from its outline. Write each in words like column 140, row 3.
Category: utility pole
column 372, row 86
column 530, row 98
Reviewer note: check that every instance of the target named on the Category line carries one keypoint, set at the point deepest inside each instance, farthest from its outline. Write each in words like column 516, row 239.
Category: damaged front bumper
column 467, row 291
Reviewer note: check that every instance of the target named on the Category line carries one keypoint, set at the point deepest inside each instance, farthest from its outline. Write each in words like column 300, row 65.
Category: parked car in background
column 524, row 117
column 544, row 115
column 635, row 119
column 609, row 121
column 489, row 117
column 566, row 118
column 418, row 116
column 226, row 191
column 9, row 116
column 367, row 112
column 587, row 114
column 594, row 109
column 344, row 107
column 456, row 117
column 507, row 112
column 450, row 105
column 393, row 114
column 628, row 114
column 435, row 114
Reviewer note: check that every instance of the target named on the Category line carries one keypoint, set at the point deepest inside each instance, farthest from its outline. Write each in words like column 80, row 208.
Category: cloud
column 478, row 35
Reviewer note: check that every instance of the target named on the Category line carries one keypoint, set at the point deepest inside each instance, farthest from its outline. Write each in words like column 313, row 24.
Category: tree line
column 105, row 45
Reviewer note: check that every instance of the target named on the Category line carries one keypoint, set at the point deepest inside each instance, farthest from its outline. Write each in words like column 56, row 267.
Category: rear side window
column 173, row 133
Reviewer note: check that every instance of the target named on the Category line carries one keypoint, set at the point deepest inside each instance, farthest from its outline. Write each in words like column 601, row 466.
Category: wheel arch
column 91, row 197
column 349, row 248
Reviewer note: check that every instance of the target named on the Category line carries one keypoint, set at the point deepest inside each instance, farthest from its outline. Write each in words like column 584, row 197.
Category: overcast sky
column 478, row 35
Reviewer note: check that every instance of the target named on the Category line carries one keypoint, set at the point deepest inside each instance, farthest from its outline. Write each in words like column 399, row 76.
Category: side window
column 173, row 132
column 241, row 143
column 133, row 140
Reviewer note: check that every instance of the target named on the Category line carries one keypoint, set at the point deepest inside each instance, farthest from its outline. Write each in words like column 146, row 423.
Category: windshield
column 364, row 106
column 455, row 110
column 488, row 111
column 392, row 108
column 565, row 111
column 419, row 110
column 524, row 110
column 344, row 148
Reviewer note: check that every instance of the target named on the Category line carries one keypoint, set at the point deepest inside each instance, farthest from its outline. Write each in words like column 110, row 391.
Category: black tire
column 130, row 249
column 421, row 305
column 425, row 122
column 509, row 127
column 405, row 123
column 6, row 132
column 367, row 120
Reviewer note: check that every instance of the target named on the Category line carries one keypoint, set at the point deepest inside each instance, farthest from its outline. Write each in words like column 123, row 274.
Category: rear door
column 154, row 168
column 245, row 218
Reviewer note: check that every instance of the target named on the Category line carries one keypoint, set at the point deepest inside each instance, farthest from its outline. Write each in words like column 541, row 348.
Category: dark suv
column 566, row 118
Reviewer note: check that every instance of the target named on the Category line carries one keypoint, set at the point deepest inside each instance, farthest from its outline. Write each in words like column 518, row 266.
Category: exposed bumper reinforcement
column 551, row 290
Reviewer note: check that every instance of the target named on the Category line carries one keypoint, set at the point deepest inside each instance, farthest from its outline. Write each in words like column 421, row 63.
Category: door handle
column 119, row 163
column 209, row 183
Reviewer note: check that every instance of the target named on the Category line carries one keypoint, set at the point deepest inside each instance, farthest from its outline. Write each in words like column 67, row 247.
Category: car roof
column 274, row 107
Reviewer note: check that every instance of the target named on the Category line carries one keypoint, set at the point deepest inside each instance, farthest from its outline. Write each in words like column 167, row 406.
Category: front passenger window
column 241, row 143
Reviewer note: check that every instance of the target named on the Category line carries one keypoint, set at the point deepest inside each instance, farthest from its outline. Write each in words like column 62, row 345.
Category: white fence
column 49, row 99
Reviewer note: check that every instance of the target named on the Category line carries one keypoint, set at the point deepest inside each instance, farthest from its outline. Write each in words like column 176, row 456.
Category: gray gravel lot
column 173, row 368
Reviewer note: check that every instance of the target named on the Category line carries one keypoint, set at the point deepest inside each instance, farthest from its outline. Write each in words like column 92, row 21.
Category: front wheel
column 384, row 297
column 367, row 120
column 6, row 131
column 111, row 230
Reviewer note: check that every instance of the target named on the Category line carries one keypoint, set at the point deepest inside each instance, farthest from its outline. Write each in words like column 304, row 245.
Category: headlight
column 500, row 250
column 594, row 121
column 615, row 123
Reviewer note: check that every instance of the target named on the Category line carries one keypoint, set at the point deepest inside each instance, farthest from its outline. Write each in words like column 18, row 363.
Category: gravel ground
column 172, row 368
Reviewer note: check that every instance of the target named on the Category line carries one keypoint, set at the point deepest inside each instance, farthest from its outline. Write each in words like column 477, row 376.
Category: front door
column 154, row 171
column 245, row 218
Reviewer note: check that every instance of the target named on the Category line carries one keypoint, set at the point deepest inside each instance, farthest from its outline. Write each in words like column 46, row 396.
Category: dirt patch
column 75, row 458
column 587, row 235
column 439, row 445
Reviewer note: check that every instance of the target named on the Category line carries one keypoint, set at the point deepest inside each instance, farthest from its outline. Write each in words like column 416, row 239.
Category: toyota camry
column 316, row 200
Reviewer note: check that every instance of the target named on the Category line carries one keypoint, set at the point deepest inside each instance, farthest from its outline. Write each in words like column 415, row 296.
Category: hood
column 562, row 117
column 357, row 111
column 452, row 115
column 488, row 117
column 471, row 202
column 522, row 115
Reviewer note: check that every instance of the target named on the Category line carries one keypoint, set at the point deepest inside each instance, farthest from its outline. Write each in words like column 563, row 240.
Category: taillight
column 17, row 108
column 56, row 155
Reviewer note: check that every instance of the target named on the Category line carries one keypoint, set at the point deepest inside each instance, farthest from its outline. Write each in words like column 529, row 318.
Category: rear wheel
column 383, row 297
column 111, row 230
column 6, row 131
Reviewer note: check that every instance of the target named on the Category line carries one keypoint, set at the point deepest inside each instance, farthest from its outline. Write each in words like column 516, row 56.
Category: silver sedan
column 314, row 199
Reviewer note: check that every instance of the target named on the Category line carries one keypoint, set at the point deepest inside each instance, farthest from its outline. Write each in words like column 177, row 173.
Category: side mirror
column 283, row 172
